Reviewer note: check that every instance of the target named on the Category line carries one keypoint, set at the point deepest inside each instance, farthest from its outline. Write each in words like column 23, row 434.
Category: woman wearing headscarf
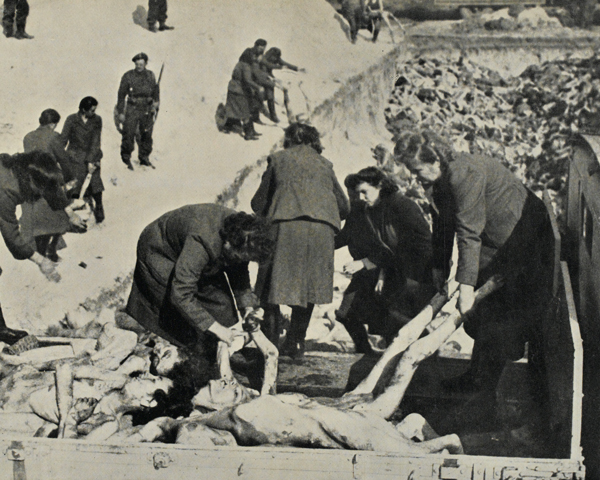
column 390, row 242
column 300, row 194
column 501, row 228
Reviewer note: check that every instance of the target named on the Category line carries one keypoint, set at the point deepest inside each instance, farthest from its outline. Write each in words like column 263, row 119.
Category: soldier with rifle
column 137, row 106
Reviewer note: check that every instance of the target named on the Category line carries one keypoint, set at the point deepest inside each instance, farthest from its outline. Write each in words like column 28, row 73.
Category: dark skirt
column 38, row 219
column 238, row 106
column 301, row 268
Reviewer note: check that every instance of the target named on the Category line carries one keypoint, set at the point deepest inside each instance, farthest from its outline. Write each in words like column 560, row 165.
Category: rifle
column 157, row 84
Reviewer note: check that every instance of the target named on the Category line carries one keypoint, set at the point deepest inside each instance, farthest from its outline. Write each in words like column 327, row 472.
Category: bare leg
column 405, row 337
column 386, row 403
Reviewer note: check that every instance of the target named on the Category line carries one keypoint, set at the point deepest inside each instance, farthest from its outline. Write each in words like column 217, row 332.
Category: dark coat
column 241, row 92
column 20, row 246
column 140, row 89
column 300, row 193
column 300, row 183
column 394, row 235
column 38, row 218
column 179, row 287
column 480, row 200
column 84, row 147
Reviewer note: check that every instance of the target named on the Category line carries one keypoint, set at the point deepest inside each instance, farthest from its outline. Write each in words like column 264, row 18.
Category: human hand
column 222, row 333
column 76, row 221
column 121, row 118
column 353, row 267
column 466, row 298
column 48, row 268
column 379, row 286
column 91, row 168
column 439, row 279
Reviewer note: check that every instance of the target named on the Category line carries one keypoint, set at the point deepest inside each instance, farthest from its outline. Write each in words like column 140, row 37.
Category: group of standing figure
column 252, row 83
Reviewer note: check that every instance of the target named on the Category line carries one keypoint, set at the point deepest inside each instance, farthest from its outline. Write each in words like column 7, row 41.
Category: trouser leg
column 358, row 333
column 145, row 144
column 98, row 207
column 152, row 12
column 41, row 243
column 271, row 323
column 8, row 17
column 22, row 14
column 129, row 130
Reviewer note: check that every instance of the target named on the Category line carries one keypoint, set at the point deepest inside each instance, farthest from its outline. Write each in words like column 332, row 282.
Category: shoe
column 146, row 163
column 294, row 350
column 23, row 35
column 128, row 163
column 99, row 214
column 164, row 27
column 10, row 336
column 8, row 31
column 152, row 27
column 274, row 119
column 251, row 136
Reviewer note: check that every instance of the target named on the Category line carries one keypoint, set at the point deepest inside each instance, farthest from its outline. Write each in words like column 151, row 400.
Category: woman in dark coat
column 27, row 177
column 38, row 219
column 242, row 92
column 300, row 194
column 188, row 262
column 83, row 132
column 501, row 228
column 390, row 241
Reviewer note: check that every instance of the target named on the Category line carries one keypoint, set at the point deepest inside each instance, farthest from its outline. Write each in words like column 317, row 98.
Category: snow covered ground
column 83, row 47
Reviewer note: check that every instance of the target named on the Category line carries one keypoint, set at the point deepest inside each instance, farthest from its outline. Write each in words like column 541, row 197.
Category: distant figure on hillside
column 138, row 100
column 157, row 11
column 367, row 14
column 38, row 219
column 82, row 132
column 270, row 61
column 15, row 11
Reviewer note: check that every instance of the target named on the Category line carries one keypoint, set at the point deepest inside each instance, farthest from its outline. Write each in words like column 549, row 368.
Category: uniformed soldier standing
column 137, row 103
column 157, row 11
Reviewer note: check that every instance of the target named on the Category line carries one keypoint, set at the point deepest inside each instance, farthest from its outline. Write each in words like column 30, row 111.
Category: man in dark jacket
column 157, row 11
column 138, row 100
column 82, row 132
column 15, row 11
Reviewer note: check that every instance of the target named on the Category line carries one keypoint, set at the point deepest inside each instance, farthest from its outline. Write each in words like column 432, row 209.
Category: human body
column 138, row 100
column 501, row 228
column 183, row 271
column 15, row 14
column 390, row 241
column 38, row 219
column 300, row 194
column 82, row 134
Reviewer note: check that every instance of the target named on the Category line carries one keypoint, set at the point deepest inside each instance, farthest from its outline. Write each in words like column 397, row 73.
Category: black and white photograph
column 300, row 239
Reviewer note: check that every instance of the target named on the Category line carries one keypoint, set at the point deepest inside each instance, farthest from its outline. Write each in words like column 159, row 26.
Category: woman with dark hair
column 501, row 228
column 38, row 219
column 188, row 262
column 390, row 241
column 241, row 96
column 82, row 132
column 27, row 177
column 300, row 194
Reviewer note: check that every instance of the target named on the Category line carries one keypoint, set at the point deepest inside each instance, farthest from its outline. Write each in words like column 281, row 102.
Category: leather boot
column 8, row 31
column 8, row 335
column 127, row 161
column 98, row 207
column 359, row 335
column 21, row 34
column 164, row 26
column 272, row 111
column 152, row 27
column 249, row 132
column 294, row 342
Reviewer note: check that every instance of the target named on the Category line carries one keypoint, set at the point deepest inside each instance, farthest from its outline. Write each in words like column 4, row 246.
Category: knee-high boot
column 294, row 342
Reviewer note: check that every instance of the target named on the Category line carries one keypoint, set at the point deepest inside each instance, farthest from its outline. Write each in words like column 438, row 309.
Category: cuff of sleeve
column 467, row 278
column 205, row 321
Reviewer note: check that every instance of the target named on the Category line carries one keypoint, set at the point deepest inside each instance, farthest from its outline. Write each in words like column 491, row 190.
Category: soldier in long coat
column 82, row 133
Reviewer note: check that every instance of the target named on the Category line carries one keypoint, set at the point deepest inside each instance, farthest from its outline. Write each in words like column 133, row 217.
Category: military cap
column 140, row 56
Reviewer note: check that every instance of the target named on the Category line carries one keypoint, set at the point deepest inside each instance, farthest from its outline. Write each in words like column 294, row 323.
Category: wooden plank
column 486, row 3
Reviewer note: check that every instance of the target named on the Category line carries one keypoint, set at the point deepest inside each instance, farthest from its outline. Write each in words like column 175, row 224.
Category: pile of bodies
column 524, row 122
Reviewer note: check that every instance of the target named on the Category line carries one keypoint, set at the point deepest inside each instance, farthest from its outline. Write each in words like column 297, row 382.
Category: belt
column 139, row 100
